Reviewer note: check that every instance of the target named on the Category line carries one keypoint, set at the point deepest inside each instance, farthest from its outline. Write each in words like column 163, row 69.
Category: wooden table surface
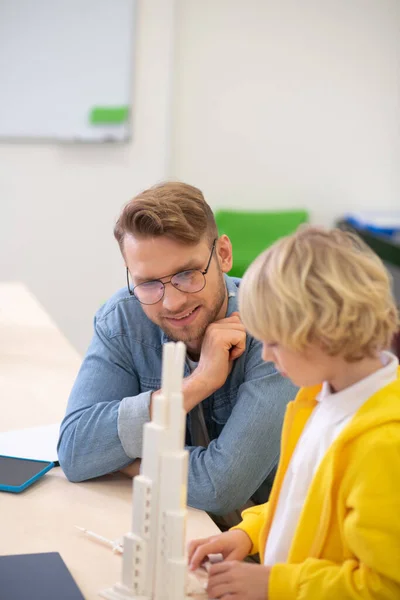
column 37, row 369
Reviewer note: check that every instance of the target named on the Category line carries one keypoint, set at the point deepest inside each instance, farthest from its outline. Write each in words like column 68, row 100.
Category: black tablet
column 16, row 474
column 37, row 577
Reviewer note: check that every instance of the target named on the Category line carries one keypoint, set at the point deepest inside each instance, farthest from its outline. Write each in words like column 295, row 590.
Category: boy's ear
column 223, row 250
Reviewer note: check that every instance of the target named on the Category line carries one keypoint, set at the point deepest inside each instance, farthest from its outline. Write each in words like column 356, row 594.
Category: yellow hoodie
column 347, row 541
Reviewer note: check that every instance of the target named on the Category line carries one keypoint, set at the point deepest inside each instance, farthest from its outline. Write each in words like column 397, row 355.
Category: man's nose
column 173, row 300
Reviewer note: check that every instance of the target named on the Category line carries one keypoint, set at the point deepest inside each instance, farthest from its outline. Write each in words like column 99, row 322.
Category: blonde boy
column 320, row 301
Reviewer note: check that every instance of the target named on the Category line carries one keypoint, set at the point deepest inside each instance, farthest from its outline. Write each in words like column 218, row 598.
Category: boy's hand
column 233, row 545
column 231, row 580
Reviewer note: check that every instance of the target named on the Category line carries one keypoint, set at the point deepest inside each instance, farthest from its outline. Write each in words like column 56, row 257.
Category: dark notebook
column 36, row 577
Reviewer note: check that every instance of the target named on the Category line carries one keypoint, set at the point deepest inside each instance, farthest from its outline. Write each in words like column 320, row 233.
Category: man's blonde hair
column 172, row 209
column 320, row 286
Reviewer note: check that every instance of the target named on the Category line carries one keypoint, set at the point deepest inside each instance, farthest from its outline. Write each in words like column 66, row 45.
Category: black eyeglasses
column 189, row 282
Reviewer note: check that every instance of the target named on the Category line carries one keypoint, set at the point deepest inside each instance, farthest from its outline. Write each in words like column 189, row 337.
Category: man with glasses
column 177, row 289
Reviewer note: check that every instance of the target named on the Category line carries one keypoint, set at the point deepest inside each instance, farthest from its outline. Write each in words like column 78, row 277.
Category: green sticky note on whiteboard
column 109, row 115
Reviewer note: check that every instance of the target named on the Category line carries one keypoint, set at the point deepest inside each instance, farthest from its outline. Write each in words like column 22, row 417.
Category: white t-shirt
column 328, row 419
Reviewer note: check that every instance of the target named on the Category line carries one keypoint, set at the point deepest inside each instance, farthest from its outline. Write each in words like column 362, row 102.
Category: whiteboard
column 66, row 69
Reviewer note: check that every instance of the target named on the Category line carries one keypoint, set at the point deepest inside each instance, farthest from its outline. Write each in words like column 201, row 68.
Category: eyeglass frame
column 204, row 273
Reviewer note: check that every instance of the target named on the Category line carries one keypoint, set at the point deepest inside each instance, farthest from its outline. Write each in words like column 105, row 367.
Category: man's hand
column 223, row 342
column 233, row 580
column 233, row 545
column 133, row 469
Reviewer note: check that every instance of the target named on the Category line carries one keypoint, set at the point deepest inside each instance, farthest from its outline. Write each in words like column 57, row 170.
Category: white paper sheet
column 37, row 443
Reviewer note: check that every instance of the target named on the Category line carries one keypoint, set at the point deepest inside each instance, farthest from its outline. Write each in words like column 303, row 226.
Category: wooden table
column 37, row 369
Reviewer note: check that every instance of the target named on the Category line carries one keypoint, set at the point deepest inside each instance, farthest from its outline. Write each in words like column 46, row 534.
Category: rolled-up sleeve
column 103, row 427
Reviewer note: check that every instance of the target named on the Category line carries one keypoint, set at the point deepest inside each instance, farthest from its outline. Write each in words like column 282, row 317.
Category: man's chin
column 187, row 335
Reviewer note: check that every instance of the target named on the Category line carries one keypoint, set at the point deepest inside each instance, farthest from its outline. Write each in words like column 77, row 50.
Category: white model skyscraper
column 154, row 557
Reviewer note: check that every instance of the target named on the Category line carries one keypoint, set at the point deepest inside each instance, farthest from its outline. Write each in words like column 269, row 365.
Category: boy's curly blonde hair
column 320, row 286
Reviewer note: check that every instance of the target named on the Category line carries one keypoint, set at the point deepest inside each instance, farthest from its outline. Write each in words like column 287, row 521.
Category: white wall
column 58, row 203
column 275, row 103
column 288, row 103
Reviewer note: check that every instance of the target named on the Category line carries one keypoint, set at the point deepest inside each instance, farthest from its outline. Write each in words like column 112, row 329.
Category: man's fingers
column 234, row 335
column 133, row 469
column 238, row 349
column 233, row 318
column 234, row 326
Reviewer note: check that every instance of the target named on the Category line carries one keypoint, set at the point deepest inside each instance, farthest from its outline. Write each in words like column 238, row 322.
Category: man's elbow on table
column 79, row 467
column 76, row 474
column 69, row 462
column 72, row 472
column 76, row 467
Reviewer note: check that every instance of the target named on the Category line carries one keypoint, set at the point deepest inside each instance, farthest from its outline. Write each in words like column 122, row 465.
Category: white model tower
column 154, row 557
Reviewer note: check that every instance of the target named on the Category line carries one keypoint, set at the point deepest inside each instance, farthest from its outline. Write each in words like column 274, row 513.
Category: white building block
column 154, row 556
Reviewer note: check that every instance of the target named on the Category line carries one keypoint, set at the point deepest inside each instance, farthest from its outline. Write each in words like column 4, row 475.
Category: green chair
column 252, row 232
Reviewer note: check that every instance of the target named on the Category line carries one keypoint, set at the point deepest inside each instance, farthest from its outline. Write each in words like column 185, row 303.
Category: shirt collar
column 346, row 402
column 232, row 287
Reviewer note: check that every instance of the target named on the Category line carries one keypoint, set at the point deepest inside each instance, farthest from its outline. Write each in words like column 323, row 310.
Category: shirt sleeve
column 102, row 431
column 371, row 532
column 223, row 476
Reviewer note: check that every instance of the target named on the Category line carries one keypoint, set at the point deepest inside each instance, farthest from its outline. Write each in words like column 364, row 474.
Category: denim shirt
column 102, row 430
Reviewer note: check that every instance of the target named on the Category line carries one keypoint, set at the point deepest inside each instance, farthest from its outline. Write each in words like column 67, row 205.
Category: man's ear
column 223, row 251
